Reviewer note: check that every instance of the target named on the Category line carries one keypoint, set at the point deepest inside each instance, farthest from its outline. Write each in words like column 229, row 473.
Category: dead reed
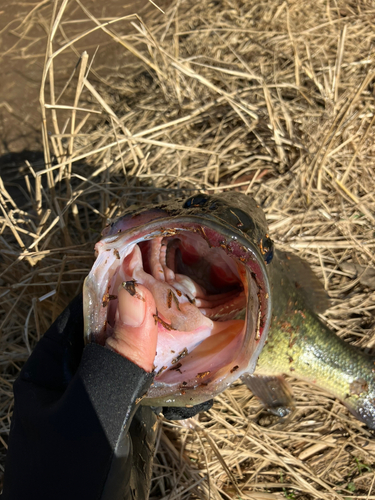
column 272, row 98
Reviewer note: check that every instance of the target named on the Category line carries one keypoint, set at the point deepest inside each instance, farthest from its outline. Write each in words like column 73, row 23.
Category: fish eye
column 266, row 247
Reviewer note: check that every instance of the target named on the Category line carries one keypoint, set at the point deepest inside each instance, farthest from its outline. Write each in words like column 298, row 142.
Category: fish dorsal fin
column 306, row 282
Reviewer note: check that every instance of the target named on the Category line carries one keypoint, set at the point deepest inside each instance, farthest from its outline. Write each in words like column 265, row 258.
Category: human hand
column 136, row 332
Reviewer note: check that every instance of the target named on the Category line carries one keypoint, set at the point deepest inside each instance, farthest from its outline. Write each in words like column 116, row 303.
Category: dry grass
column 272, row 98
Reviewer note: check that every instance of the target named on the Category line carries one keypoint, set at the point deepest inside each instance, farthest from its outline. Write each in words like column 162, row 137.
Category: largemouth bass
column 228, row 306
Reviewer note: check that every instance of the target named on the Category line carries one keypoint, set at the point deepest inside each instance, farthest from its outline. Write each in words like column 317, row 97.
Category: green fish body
column 300, row 345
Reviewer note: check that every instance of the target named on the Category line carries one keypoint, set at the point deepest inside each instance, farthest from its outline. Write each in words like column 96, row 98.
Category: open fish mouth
column 212, row 294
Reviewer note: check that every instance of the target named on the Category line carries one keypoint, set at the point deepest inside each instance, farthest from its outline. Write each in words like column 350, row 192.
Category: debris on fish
column 221, row 290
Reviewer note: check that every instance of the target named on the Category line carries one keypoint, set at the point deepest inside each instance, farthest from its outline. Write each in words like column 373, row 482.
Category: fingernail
column 131, row 307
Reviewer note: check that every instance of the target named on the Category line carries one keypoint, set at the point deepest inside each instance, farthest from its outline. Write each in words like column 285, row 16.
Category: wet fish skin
column 300, row 345
column 298, row 342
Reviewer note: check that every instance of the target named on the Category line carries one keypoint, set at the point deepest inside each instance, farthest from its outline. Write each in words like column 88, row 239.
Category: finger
column 136, row 332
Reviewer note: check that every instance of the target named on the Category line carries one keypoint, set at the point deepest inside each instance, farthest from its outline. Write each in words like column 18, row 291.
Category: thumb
column 136, row 331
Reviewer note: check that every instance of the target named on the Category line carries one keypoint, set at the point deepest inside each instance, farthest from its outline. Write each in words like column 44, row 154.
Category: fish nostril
column 196, row 201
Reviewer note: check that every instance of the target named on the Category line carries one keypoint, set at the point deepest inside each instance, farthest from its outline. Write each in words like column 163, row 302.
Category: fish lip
column 236, row 243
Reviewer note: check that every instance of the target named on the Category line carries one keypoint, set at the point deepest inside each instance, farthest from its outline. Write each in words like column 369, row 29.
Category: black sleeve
column 73, row 420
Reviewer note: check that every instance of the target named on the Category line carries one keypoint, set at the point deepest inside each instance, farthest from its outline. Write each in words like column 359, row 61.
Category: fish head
column 206, row 261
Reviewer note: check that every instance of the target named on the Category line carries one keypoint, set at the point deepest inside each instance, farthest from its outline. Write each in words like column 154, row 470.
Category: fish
column 229, row 306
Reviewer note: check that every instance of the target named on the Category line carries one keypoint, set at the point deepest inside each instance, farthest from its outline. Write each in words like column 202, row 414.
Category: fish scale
column 300, row 345
column 281, row 333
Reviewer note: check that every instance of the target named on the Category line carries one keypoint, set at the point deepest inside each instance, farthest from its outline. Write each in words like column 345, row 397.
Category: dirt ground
column 23, row 38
